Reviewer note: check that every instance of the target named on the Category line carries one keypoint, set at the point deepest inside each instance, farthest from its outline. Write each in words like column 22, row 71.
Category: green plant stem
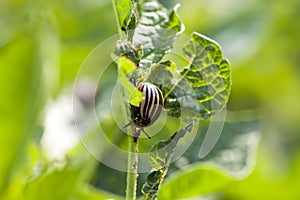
column 132, row 166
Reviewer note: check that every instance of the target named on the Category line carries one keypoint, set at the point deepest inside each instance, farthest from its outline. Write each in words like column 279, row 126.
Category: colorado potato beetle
column 149, row 109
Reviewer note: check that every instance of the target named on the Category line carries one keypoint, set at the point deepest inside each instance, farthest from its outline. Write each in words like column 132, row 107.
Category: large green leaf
column 208, row 74
column 65, row 183
column 235, row 150
column 163, row 74
column 60, row 184
column 201, row 89
column 196, row 180
column 156, row 32
column 20, row 84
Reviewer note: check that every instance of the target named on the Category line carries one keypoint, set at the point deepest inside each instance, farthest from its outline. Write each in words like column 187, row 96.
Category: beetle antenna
column 149, row 137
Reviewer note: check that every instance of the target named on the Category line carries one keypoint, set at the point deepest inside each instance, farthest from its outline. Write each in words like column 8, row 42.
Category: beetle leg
column 149, row 137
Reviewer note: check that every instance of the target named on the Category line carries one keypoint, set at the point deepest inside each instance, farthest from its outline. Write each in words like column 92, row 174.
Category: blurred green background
column 42, row 45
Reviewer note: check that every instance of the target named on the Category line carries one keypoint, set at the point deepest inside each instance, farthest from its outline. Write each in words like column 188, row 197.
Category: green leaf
column 20, row 86
column 131, row 93
column 234, row 153
column 235, row 150
column 126, row 66
column 201, row 89
column 60, row 183
column 157, row 29
column 193, row 181
column 125, row 14
column 208, row 74
column 154, row 35
column 160, row 157
column 163, row 74
column 31, row 165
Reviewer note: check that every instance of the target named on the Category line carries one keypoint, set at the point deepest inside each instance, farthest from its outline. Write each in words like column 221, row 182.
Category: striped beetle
column 149, row 109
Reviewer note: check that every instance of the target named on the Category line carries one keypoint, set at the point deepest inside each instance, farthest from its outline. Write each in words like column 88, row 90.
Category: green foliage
column 163, row 74
column 156, row 32
column 154, row 35
column 131, row 93
column 43, row 43
column 20, row 107
column 67, row 182
column 236, row 148
column 198, row 91
column 231, row 159
column 203, row 88
column 195, row 180
column 160, row 158
column 66, row 179
column 125, row 14
column 272, row 184
column 28, row 73
column 161, row 153
column 208, row 74
column 123, row 11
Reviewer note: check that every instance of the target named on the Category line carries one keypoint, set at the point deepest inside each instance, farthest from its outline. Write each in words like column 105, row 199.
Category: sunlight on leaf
column 131, row 93
column 124, row 12
column 196, row 180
